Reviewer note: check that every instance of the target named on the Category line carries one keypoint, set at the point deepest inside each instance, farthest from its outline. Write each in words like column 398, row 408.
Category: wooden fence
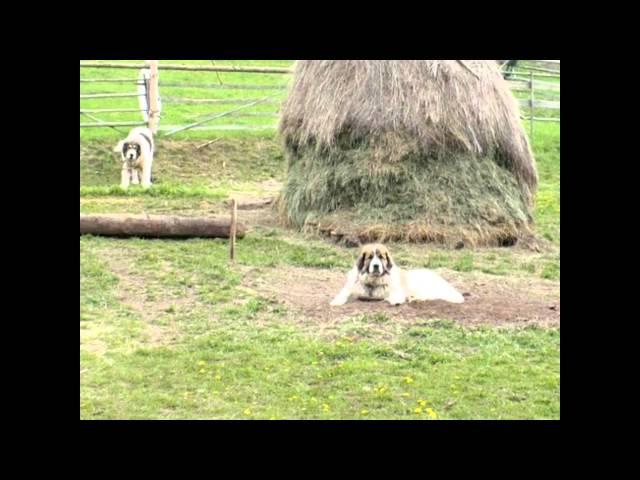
column 527, row 80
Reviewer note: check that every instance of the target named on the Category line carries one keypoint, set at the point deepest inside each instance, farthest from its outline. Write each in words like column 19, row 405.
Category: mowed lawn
column 171, row 329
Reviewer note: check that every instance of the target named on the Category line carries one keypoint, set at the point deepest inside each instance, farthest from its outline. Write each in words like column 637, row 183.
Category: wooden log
column 157, row 226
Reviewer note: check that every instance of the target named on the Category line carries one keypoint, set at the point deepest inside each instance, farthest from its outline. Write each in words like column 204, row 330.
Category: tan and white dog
column 376, row 277
column 136, row 152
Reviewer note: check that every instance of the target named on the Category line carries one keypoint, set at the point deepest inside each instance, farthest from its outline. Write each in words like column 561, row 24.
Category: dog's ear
column 388, row 262
column 361, row 260
column 118, row 147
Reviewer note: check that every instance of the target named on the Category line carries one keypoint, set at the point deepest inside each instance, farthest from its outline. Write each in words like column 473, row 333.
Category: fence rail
column 525, row 78
column 109, row 95
column 522, row 84
column 110, row 110
column 214, row 101
column 548, row 104
column 224, row 86
column 189, row 68
column 112, row 124
column 111, row 80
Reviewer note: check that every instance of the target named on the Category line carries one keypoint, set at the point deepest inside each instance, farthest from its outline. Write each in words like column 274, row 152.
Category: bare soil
column 489, row 299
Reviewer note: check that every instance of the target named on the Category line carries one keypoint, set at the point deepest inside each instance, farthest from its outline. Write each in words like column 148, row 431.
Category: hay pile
column 421, row 150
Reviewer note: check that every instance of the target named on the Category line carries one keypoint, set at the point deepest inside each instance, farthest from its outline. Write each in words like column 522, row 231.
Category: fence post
column 531, row 105
column 154, row 111
column 232, row 229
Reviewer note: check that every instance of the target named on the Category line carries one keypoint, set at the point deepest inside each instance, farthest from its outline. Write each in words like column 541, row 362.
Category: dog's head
column 374, row 260
column 130, row 151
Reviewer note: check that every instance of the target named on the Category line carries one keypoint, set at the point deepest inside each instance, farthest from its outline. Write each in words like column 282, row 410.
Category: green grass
column 174, row 114
column 239, row 356
column 169, row 329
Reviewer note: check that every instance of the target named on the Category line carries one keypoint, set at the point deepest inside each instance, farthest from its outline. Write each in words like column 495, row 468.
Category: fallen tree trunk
column 157, row 226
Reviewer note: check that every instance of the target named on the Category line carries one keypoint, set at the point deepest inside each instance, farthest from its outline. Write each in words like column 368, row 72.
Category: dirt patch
column 92, row 345
column 489, row 299
column 132, row 292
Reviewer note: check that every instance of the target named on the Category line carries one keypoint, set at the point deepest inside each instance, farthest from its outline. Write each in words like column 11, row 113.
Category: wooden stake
column 232, row 229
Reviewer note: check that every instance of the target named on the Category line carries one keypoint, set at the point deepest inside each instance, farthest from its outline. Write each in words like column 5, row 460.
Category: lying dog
column 137, row 157
column 376, row 277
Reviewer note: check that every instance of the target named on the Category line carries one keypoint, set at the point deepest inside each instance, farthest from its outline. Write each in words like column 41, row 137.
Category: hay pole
column 232, row 229
column 219, row 115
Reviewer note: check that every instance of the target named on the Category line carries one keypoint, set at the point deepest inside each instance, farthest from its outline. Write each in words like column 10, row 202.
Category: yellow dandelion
column 325, row 407
column 405, row 394
column 218, row 377
column 418, row 411
column 201, row 363
column 247, row 412
column 201, row 370
column 364, row 412
column 431, row 413
column 422, row 403
column 408, row 380
column 314, row 363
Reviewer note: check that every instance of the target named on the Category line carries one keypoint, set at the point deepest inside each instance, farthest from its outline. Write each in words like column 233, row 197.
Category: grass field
column 170, row 329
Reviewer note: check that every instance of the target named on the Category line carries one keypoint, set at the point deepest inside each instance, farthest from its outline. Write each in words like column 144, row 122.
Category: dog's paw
column 337, row 302
column 396, row 300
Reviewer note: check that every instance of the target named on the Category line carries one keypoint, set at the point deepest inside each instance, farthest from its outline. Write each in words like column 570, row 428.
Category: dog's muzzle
column 376, row 267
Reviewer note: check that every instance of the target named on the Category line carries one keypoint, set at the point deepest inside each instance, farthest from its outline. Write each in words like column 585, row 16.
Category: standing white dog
column 376, row 277
column 137, row 157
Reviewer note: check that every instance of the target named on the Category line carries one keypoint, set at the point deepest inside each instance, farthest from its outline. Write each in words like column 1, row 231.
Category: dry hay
column 423, row 150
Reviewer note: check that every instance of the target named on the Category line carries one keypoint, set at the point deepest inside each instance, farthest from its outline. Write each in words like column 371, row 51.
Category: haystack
column 416, row 150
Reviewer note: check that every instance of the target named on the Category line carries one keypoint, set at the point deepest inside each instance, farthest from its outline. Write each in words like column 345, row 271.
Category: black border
column 465, row 48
